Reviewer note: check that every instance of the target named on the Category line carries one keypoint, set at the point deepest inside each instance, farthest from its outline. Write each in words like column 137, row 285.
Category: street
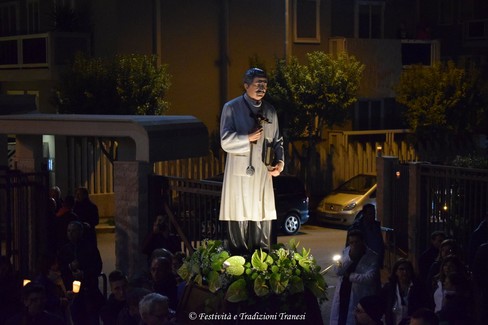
column 323, row 243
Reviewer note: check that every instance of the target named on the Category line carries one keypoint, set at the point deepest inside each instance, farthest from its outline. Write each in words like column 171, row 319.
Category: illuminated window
column 307, row 21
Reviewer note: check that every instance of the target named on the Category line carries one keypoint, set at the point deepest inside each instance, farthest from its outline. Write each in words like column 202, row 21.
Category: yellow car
column 344, row 204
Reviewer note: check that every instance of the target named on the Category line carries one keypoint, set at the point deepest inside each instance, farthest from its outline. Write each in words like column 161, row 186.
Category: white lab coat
column 244, row 197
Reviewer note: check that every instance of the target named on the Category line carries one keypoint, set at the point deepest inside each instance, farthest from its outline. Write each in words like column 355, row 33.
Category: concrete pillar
column 416, row 228
column 384, row 175
column 384, row 207
column 131, row 208
column 28, row 153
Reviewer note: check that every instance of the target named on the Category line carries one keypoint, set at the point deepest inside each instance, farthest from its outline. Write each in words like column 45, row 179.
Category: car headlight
column 350, row 206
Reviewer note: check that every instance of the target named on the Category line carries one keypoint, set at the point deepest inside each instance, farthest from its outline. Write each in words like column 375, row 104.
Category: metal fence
column 195, row 204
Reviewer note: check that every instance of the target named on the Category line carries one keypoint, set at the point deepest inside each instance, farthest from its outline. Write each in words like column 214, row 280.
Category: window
column 9, row 17
column 307, row 21
column 33, row 16
column 368, row 115
column 446, row 12
column 476, row 29
column 34, row 93
column 419, row 52
column 369, row 19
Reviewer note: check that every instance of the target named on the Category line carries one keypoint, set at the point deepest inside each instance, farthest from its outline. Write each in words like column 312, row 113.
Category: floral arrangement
column 283, row 272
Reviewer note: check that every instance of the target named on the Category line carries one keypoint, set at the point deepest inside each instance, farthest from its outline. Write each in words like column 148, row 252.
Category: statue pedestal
column 199, row 304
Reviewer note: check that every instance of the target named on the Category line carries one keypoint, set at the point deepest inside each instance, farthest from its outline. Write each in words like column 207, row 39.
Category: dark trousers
column 244, row 237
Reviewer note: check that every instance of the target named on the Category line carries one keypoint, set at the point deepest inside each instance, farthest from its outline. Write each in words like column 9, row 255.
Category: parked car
column 344, row 204
column 291, row 200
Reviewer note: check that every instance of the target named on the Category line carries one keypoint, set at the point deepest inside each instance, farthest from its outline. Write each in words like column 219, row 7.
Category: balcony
column 38, row 56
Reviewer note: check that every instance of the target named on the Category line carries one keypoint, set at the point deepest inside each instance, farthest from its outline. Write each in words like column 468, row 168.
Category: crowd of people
column 442, row 288
column 65, row 288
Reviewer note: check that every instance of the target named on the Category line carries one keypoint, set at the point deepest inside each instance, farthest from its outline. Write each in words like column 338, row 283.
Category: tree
column 127, row 85
column 317, row 94
column 310, row 97
column 442, row 100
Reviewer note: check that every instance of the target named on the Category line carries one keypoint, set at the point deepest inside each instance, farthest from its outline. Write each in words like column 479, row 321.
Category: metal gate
column 23, row 198
column 454, row 200
column 422, row 198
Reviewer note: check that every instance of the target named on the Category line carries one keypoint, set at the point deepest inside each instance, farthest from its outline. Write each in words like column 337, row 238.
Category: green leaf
column 318, row 286
column 214, row 282
column 234, row 265
column 260, row 260
column 218, row 260
column 296, row 285
column 282, row 254
column 277, row 284
column 199, row 279
column 237, row 291
column 260, row 286
column 184, row 272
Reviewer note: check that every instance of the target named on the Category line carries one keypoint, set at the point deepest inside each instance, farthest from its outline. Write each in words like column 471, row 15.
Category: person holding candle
column 80, row 260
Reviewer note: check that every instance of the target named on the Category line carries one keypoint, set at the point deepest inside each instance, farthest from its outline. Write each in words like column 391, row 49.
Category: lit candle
column 76, row 286
column 26, row 281
column 336, row 258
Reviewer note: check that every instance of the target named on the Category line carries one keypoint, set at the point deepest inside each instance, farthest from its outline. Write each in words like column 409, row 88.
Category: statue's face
column 257, row 89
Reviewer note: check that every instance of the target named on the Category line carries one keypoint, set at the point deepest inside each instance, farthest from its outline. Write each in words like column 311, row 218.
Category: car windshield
column 359, row 184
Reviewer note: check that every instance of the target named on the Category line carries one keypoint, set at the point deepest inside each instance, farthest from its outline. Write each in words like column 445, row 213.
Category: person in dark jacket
column 161, row 237
column 80, row 260
column 34, row 298
column 448, row 247
column 10, row 290
column 428, row 256
column 424, row 316
column 480, row 283
column 163, row 280
column 61, row 221
column 477, row 238
column 403, row 293
column 457, row 306
column 86, row 210
column 371, row 230
column 369, row 311
column 117, row 299
column 130, row 315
